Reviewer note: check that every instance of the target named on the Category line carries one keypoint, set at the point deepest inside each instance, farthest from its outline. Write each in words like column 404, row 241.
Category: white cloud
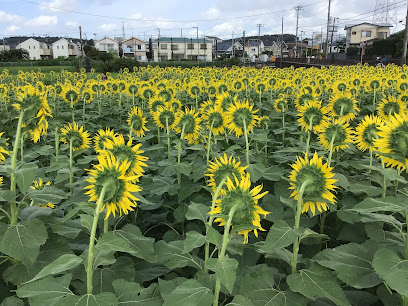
column 109, row 27
column 11, row 29
column 57, row 5
column 10, row 18
column 42, row 21
column 72, row 24
column 211, row 13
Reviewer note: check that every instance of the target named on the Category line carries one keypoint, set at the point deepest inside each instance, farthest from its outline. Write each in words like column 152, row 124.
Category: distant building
column 228, row 47
column 253, row 48
column 134, row 47
column 4, row 47
column 107, row 45
column 64, row 48
column 302, row 47
column 179, row 48
column 36, row 50
column 276, row 49
column 366, row 32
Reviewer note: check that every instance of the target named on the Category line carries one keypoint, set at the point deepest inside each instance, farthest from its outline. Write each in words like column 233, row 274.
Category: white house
column 107, row 45
column 65, row 48
column 253, row 48
column 134, row 47
column 36, row 50
column 366, row 32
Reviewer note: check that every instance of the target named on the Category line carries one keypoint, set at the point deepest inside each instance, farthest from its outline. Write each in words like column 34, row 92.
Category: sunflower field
column 205, row 186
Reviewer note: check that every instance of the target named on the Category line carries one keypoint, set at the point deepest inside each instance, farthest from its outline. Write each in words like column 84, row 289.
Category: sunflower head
column 312, row 115
column 3, row 148
column 215, row 119
column 189, row 125
column 281, row 104
column 319, row 183
column 366, row 132
column 390, row 106
column 343, row 106
column 137, row 122
column 39, row 185
column 111, row 173
column 241, row 115
column 241, row 202
column 154, row 104
column 222, row 168
column 80, row 138
column 166, row 116
column 337, row 130
column 101, row 138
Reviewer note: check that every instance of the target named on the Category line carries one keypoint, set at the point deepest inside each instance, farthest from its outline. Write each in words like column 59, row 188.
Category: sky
column 221, row 18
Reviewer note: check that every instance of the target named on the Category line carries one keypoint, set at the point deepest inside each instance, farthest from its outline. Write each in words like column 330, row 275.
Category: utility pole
column 332, row 33
column 181, row 32
column 404, row 52
column 259, row 37
column 158, row 46
column 123, row 30
column 243, row 53
column 281, row 47
column 297, row 9
column 301, row 44
column 198, row 51
column 327, row 32
column 232, row 51
column 82, row 46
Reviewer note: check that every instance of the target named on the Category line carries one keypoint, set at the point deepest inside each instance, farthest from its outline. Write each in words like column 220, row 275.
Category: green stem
column 83, row 111
column 72, row 110
column 158, row 135
column 209, row 142
column 168, row 138
column 331, row 149
column 297, row 223
column 71, row 174
column 283, row 125
column 89, row 268
column 13, row 206
column 246, row 143
column 221, row 255
column 309, row 135
column 384, row 181
column 56, row 144
column 371, row 161
column 22, row 147
column 105, row 225
column 179, row 152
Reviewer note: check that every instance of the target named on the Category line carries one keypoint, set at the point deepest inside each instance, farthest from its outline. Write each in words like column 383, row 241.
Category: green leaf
column 102, row 299
column 171, row 254
column 352, row 263
column 22, row 241
column 370, row 205
column 240, row 300
column 69, row 229
column 280, row 235
column 310, row 237
column 47, row 291
column 189, row 293
column 226, row 270
column 317, row 282
column 213, row 236
column 167, row 286
column 392, row 269
column 12, row 301
column 197, row 211
column 193, row 240
column 184, row 168
column 7, row 196
column 46, row 195
column 86, row 221
column 61, row 264
column 132, row 294
column 364, row 187
column 25, row 175
column 273, row 173
column 161, row 185
column 256, row 171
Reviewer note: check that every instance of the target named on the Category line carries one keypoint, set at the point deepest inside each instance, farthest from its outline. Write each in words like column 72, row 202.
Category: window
column 29, row 47
column 190, row 46
column 253, row 49
column 163, row 46
column 154, row 46
column 33, row 47
column 353, row 33
column 174, row 47
column 139, row 47
column 382, row 35
column 62, row 47
column 57, row 47
column 203, row 46
column 365, row 33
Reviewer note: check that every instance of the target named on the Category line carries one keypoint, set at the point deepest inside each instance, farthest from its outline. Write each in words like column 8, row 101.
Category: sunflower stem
column 83, row 111
column 89, row 267
column 158, row 135
column 210, row 222
column 179, row 152
column 309, row 135
column 168, row 137
column 331, row 149
column 13, row 206
column 72, row 109
column 283, row 125
column 22, row 147
column 384, row 181
column 246, row 143
column 297, row 223
column 371, row 161
column 71, row 174
column 221, row 254
column 209, row 142
column 105, row 225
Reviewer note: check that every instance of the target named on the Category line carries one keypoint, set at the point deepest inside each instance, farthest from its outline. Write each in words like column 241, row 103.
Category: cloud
column 109, row 27
column 10, row 18
column 211, row 13
column 11, row 29
column 72, row 24
column 42, row 21
column 58, row 5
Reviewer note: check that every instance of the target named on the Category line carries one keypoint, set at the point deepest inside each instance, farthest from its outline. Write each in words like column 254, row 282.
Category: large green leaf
column 352, row 262
column 46, row 195
column 280, row 235
column 61, row 264
column 240, row 300
column 193, row 240
column 132, row 294
column 189, row 293
column 392, row 269
column 102, row 299
column 317, row 282
column 47, row 291
column 25, row 175
column 22, row 241
column 197, row 211
column 371, row 205
column 171, row 254
column 226, row 270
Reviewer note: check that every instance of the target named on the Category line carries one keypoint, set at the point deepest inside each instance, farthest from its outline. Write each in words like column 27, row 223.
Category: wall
column 60, row 48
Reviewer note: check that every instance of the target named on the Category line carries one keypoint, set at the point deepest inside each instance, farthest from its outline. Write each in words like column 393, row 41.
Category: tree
column 13, row 55
column 352, row 51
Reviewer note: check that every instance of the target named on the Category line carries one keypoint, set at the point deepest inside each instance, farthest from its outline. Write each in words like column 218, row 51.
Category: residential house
column 366, row 32
column 107, row 45
column 215, row 41
column 134, row 47
column 178, row 48
column 302, row 48
column 65, row 48
column 36, row 49
column 228, row 47
column 4, row 47
column 276, row 49
column 253, row 48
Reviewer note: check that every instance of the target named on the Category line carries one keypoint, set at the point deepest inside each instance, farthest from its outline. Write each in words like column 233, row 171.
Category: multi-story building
column 65, row 48
column 36, row 50
column 366, row 32
column 178, row 48
column 134, row 47
column 107, row 45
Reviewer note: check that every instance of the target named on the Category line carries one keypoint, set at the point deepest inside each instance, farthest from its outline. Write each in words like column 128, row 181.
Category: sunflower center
column 314, row 112
column 216, row 119
column 338, row 132
column 369, row 134
column 224, row 171
column 115, row 187
column 189, row 123
column 244, row 203
column 399, row 139
column 76, row 137
column 169, row 115
column 156, row 104
column 136, row 123
column 343, row 106
column 316, row 179
column 123, row 153
column 241, row 115
column 392, row 108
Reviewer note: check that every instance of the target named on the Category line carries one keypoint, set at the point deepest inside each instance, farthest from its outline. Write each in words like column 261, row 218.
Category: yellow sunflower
column 389, row 107
column 241, row 201
column 166, row 116
column 312, row 115
column 215, row 119
column 366, row 132
column 80, row 138
column 337, row 129
column 137, row 122
column 240, row 116
column 319, row 178
column 343, row 106
column 3, row 150
column 189, row 125
column 101, row 138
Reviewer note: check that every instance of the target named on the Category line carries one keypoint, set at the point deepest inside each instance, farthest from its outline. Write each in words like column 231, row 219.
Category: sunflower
column 175, row 104
column 205, row 106
column 281, row 104
column 392, row 141
column 101, row 138
column 154, row 104
column 80, row 138
column 366, row 132
column 215, row 120
column 125, row 151
column 319, row 178
column 39, row 185
column 87, row 95
column 389, row 107
column 240, row 116
column 224, row 100
column 137, row 122
column 189, row 125
column 3, row 146
column 343, row 106
column 339, row 130
column 166, row 116
column 222, row 168
column 243, row 201
column 70, row 94
column 304, row 97
column 111, row 172
column 312, row 113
